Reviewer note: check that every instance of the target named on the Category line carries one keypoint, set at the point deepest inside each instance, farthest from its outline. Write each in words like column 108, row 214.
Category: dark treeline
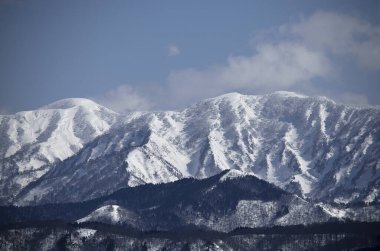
column 333, row 227
column 60, row 235
column 365, row 228
column 356, row 234
column 164, row 197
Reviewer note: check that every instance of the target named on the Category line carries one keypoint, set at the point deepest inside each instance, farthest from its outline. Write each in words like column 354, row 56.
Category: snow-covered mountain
column 32, row 142
column 310, row 146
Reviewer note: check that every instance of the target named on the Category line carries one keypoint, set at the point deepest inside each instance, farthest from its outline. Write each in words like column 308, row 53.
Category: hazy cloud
column 123, row 99
column 340, row 35
column 291, row 56
column 272, row 67
column 294, row 56
column 173, row 50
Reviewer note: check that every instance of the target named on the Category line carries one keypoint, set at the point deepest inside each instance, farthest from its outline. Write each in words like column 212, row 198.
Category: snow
column 12, row 150
column 137, row 163
column 330, row 154
column 114, row 213
column 334, row 212
column 305, row 179
column 371, row 196
column 263, row 135
column 367, row 143
column 289, row 94
column 255, row 213
column 308, row 114
column 291, row 142
column 86, row 232
column 145, row 163
column 218, row 147
column 323, row 114
column 43, row 137
column 252, row 213
column 110, row 212
column 349, row 147
column 232, row 96
column 363, row 129
column 271, row 170
column 305, row 183
column 232, row 174
column 27, row 127
column 346, row 199
column 70, row 103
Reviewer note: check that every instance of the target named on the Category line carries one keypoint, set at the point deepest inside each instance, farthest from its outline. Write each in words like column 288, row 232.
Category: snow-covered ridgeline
column 307, row 145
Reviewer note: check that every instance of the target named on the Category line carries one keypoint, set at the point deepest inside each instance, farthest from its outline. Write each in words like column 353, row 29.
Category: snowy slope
column 33, row 141
column 310, row 146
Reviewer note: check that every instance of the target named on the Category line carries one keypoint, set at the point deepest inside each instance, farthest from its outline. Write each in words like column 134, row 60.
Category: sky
column 166, row 55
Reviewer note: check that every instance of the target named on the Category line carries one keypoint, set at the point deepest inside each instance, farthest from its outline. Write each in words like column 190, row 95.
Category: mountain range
column 76, row 150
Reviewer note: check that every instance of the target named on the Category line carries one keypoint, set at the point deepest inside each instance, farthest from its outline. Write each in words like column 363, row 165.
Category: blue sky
column 153, row 55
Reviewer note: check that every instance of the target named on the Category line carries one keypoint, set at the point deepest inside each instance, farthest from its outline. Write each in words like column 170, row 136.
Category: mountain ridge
column 310, row 146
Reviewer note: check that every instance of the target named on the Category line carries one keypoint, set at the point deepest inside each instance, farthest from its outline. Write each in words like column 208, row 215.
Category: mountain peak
column 289, row 94
column 70, row 103
column 231, row 96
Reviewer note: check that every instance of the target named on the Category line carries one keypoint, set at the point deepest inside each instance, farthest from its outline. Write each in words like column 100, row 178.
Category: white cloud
column 294, row 57
column 290, row 57
column 123, row 99
column 340, row 35
column 173, row 50
column 271, row 67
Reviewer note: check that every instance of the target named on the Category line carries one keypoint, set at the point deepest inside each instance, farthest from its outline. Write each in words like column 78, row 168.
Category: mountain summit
column 33, row 142
column 73, row 102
